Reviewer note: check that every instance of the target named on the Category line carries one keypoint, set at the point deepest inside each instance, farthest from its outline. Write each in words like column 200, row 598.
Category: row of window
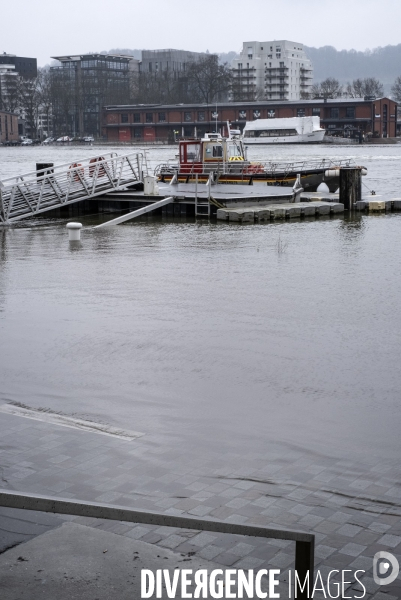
column 256, row 114
column 271, row 133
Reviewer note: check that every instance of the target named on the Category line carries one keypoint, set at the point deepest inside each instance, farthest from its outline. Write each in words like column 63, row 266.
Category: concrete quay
column 263, row 214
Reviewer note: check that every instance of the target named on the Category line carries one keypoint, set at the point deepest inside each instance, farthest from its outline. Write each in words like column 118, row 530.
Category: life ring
column 255, row 168
column 236, row 158
column 78, row 170
column 101, row 170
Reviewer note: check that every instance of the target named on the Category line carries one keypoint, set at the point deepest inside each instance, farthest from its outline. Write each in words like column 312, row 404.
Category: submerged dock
column 262, row 214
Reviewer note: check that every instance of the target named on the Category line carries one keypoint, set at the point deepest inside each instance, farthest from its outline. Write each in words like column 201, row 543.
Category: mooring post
column 350, row 186
column 304, row 567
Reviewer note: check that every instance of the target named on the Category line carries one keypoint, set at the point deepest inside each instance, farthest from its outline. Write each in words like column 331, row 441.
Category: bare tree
column 359, row 88
column 329, row 88
column 396, row 89
column 30, row 102
column 207, row 80
column 44, row 86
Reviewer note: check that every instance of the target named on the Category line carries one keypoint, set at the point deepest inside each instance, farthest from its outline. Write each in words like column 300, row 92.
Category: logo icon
column 385, row 568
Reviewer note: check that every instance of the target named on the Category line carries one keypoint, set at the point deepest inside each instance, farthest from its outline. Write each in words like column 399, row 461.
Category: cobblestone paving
column 354, row 508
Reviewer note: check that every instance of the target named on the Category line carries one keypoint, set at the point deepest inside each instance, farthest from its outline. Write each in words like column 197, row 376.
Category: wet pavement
column 353, row 509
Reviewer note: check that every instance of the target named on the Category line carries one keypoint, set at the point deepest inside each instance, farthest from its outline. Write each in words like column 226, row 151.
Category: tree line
column 331, row 88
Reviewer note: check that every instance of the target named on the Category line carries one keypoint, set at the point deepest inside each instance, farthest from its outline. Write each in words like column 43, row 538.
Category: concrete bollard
column 74, row 231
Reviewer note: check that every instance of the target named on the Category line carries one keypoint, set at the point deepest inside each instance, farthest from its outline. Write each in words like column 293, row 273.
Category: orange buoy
column 101, row 170
column 78, row 171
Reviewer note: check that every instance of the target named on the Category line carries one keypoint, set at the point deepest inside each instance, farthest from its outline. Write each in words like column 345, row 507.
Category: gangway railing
column 53, row 187
column 304, row 542
column 270, row 168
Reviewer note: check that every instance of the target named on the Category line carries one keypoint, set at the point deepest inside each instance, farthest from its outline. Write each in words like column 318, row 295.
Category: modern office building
column 154, row 61
column 26, row 67
column 83, row 83
column 277, row 70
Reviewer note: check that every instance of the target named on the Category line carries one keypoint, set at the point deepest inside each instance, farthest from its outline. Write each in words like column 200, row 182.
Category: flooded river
column 220, row 342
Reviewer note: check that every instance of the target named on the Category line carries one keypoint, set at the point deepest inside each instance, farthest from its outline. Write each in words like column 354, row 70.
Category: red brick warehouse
column 155, row 122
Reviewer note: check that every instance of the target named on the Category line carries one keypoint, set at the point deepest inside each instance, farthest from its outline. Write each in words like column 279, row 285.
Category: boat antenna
column 216, row 118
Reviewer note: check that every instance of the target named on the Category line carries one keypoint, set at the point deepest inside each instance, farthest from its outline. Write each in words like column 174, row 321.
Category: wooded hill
column 346, row 65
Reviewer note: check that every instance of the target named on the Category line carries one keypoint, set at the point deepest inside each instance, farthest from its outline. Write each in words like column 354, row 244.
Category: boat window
column 193, row 153
column 272, row 133
column 234, row 150
column 217, row 151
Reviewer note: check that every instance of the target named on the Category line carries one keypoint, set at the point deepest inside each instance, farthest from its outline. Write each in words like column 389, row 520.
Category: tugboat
column 226, row 159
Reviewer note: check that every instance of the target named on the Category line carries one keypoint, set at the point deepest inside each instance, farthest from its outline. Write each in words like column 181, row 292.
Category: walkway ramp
column 39, row 191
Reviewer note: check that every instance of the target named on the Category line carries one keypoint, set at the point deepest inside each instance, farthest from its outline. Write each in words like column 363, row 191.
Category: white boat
column 294, row 130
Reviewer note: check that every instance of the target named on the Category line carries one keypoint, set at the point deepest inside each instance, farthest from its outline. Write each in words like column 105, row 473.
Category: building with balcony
column 348, row 117
column 278, row 70
column 26, row 67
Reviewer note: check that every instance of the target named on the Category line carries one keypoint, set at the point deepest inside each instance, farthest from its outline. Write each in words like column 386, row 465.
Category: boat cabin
column 210, row 151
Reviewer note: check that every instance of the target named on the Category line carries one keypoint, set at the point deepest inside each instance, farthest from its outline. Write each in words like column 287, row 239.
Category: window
column 334, row 113
column 162, row 117
column 193, row 153
column 217, row 151
column 300, row 112
column 149, row 118
column 316, row 112
column 187, row 116
column 350, row 112
column 201, row 115
column 137, row 118
column 124, row 118
column 137, row 132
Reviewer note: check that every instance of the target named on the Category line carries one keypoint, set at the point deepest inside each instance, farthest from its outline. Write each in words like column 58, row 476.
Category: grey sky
column 45, row 28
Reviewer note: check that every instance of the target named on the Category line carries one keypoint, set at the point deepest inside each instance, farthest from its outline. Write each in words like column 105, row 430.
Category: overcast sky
column 45, row 28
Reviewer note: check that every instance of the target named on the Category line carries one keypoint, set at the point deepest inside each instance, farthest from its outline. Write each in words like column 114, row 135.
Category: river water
column 214, row 339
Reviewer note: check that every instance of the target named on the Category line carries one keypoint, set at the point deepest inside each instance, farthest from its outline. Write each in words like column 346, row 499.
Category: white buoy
column 74, row 231
column 323, row 187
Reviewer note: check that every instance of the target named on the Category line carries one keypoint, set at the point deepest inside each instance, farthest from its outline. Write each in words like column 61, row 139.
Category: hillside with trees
column 346, row 65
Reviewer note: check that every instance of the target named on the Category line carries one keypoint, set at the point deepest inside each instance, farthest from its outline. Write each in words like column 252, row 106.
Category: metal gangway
column 57, row 186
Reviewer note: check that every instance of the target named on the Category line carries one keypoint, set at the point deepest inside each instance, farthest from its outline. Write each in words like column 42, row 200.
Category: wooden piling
column 350, row 186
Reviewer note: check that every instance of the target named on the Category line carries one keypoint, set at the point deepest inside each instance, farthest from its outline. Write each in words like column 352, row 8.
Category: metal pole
column 304, row 566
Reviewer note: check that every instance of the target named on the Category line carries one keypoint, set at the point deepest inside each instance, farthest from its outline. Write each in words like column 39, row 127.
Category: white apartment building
column 278, row 70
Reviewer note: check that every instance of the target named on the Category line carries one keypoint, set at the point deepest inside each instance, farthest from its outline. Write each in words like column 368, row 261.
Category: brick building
column 8, row 127
column 153, row 122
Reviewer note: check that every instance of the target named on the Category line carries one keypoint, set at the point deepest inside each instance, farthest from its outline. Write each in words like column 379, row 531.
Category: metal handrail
column 52, row 187
column 304, row 542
